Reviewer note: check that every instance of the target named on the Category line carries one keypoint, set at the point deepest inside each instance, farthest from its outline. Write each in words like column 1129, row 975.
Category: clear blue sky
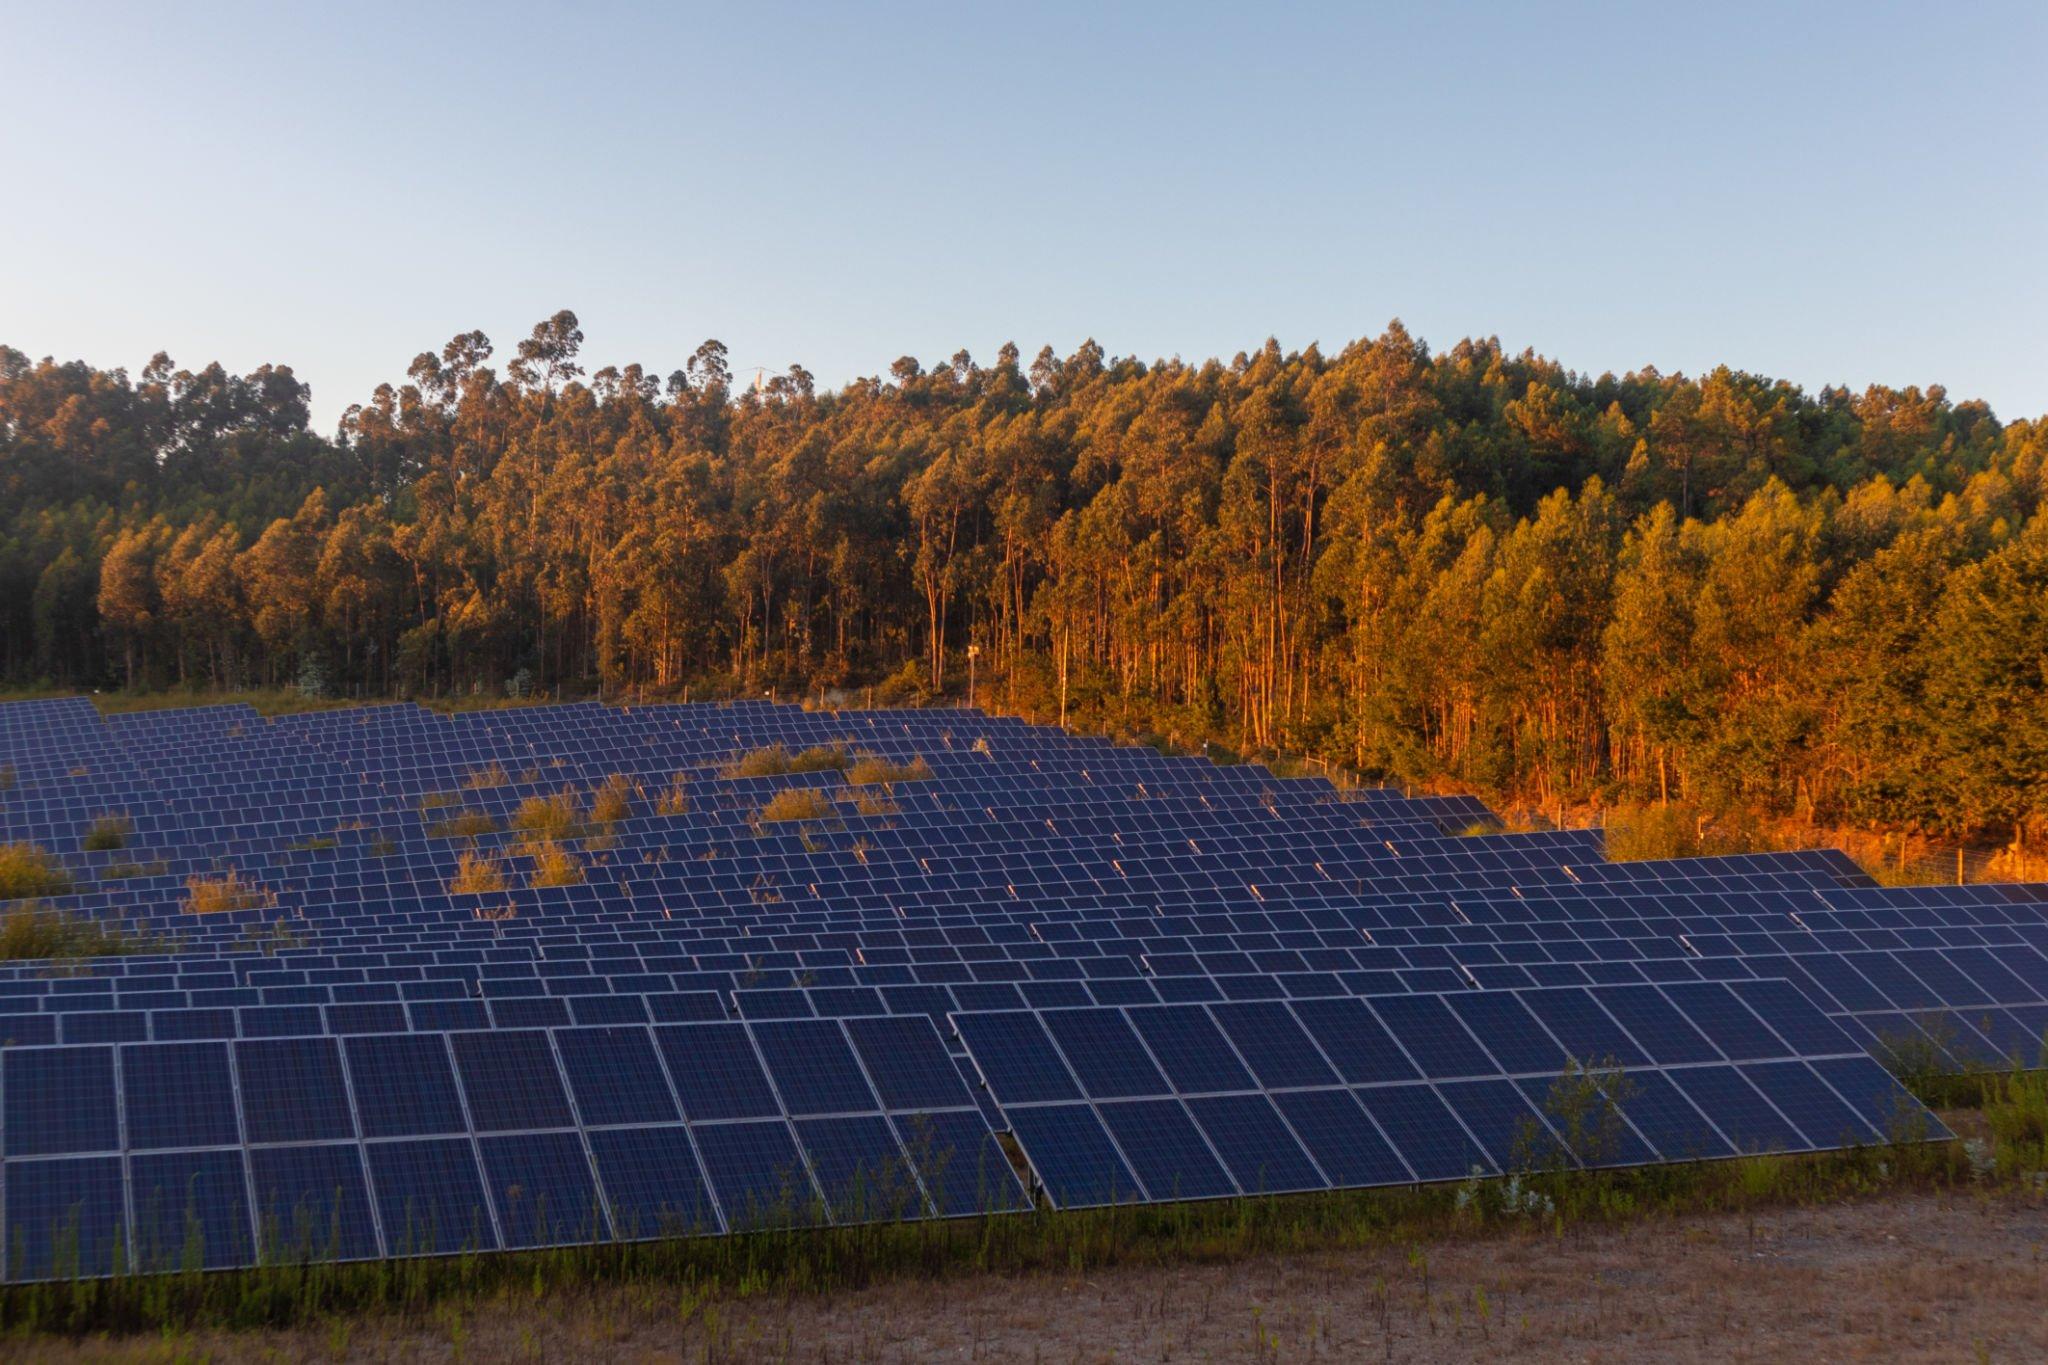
column 1848, row 193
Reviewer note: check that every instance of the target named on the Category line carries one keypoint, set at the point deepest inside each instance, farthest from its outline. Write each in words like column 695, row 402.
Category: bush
column 31, row 932
column 869, row 770
column 553, row 817
column 25, row 870
column 477, row 874
column 467, row 824
column 775, row 761
column 612, row 801
column 796, row 803
column 482, row 779
column 223, row 894
column 553, row 865
column 676, row 800
column 108, row 832
column 314, row 681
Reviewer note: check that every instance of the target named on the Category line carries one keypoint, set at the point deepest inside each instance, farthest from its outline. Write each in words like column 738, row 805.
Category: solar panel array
column 1158, row 978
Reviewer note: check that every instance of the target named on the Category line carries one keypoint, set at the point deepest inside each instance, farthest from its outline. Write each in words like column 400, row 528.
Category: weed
column 319, row 843
column 225, row 893
column 32, row 931
column 869, row 770
column 795, row 803
column 612, row 801
column 482, row 779
column 123, row 871
column 676, row 800
column 466, row 825
column 26, row 870
column 553, row 865
column 269, row 939
column 110, row 831
column 477, row 874
column 775, row 761
column 551, row 817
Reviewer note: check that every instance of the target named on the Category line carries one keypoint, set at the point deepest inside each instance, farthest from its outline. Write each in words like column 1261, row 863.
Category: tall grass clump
column 776, row 761
column 869, row 770
column 467, row 824
column 676, row 799
column 553, row 865
column 795, row 803
column 612, row 800
column 477, row 874
column 26, row 870
column 483, row 779
column 550, row 817
column 225, row 893
column 30, row 932
column 109, row 831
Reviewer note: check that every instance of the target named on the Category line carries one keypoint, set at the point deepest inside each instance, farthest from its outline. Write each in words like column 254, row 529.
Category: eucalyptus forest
column 1452, row 566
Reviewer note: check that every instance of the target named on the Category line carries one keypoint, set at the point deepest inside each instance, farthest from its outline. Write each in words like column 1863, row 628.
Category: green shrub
column 26, row 870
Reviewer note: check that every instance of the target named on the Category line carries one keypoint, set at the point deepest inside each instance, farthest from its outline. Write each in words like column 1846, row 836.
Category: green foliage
column 1457, row 564
column 32, row 931
column 108, row 832
column 26, row 870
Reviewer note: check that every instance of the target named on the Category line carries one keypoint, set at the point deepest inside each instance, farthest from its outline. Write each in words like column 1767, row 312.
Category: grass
column 123, row 871
column 110, row 831
column 224, row 894
column 318, row 843
column 776, row 761
column 551, row 817
column 676, row 799
column 553, row 865
column 483, row 779
column 612, row 800
column 868, row 770
column 795, row 803
column 270, row 939
column 27, row 870
column 875, row 803
column 702, row 1272
column 466, row 824
column 31, row 932
column 9, row 776
column 477, row 874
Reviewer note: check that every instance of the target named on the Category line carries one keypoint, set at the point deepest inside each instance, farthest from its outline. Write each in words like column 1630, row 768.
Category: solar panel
column 1164, row 979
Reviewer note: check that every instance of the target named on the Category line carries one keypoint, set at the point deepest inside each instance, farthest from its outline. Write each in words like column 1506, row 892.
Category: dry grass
column 553, row 865
column 775, row 761
column 32, row 931
column 27, row 870
column 483, row 779
column 109, row 831
column 434, row 801
column 612, row 800
column 869, row 770
column 676, row 799
column 875, row 803
column 467, row 824
column 477, row 874
column 551, row 817
column 225, row 893
column 795, row 803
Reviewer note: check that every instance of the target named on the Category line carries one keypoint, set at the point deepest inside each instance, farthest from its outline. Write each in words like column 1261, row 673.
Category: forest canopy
column 1460, row 566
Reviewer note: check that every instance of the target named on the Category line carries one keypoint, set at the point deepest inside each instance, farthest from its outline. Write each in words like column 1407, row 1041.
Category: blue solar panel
column 1352, row 996
column 178, row 1095
column 58, row 1100
column 430, row 1196
column 652, row 1182
column 543, row 1190
column 293, row 1090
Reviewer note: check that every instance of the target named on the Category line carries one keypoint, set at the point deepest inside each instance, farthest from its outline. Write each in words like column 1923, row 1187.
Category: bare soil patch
column 1906, row 1277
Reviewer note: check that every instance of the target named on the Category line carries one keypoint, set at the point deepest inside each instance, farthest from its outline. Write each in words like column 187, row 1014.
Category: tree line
column 1461, row 565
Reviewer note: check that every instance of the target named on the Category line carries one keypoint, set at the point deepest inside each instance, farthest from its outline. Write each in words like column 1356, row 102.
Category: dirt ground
column 1899, row 1278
